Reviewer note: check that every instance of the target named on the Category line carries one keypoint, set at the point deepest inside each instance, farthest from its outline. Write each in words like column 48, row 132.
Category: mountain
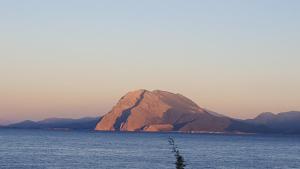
column 58, row 123
column 157, row 111
column 285, row 122
column 4, row 122
column 144, row 110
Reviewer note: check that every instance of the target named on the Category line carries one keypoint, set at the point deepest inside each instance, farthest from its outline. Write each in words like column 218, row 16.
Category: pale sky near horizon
column 77, row 58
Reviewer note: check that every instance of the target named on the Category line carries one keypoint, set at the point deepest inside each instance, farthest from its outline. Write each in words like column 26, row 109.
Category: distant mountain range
column 4, row 122
column 286, row 122
column 161, row 111
column 87, row 123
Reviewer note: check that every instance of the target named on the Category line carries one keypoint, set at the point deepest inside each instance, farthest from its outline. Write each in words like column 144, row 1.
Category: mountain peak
column 156, row 110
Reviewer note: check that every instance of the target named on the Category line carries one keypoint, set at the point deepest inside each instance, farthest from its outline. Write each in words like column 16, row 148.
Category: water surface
column 42, row 149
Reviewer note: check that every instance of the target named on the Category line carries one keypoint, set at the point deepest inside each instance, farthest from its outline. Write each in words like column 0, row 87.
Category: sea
column 50, row 149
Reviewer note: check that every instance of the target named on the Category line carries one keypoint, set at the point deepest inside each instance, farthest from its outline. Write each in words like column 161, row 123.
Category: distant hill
column 4, row 122
column 87, row 123
column 162, row 111
column 285, row 122
column 157, row 110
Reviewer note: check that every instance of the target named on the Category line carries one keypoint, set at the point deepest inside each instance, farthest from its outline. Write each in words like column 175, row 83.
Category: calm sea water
column 40, row 149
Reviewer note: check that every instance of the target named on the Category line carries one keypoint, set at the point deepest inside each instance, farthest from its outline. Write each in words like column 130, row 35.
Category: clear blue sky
column 77, row 58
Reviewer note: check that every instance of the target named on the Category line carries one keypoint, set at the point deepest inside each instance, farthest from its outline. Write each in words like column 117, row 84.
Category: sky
column 64, row 58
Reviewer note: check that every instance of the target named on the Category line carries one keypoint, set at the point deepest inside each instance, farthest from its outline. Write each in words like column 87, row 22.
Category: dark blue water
column 39, row 149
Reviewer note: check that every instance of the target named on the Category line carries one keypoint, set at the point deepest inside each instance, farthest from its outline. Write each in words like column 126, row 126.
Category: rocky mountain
column 157, row 110
column 87, row 123
column 285, row 122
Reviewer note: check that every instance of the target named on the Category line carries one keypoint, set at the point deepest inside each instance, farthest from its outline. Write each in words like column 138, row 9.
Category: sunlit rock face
column 157, row 110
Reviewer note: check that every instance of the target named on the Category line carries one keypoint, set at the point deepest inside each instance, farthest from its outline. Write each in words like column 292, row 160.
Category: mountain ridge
column 283, row 122
column 162, row 111
column 85, row 123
